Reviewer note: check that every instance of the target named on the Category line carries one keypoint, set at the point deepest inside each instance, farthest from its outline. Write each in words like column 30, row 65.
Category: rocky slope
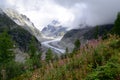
column 19, row 34
column 54, row 29
column 83, row 35
column 23, row 21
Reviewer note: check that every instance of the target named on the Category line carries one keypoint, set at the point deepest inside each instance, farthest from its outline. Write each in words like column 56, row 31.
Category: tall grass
column 97, row 60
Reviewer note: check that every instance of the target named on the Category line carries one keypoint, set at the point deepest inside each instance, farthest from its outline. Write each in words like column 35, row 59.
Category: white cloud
column 42, row 12
column 94, row 12
column 69, row 12
column 49, row 11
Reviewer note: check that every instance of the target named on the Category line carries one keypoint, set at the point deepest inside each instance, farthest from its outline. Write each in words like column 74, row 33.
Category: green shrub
column 109, row 71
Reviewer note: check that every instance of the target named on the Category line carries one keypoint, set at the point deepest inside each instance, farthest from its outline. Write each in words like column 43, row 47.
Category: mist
column 71, row 13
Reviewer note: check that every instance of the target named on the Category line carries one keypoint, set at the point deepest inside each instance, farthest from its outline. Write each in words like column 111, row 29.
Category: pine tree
column 6, row 52
column 32, row 48
column 6, row 46
column 77, row 45
column 56, row 58
column 96, row 33
column 34, row 60
column 67, row 51
column 49, row 55
column 116, row 28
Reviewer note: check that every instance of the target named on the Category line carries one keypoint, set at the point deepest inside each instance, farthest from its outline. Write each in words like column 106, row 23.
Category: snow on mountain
column 54, row 29
column 23, row 21
column 55, row 23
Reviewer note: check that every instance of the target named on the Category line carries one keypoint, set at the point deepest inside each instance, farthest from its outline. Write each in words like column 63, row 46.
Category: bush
column 108, row 72
column 97, row 59
column 13, row 69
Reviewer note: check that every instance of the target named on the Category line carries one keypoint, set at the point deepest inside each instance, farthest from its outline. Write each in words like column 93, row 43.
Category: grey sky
column 70, row 13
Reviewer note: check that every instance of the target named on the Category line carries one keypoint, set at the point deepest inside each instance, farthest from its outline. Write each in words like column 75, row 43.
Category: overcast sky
column 70, row 13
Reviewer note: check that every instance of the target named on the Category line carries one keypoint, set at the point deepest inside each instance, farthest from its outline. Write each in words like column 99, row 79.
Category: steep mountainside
column 54, row 29
column 20, row 35
column 84, row 34
column 101, row 30
column 22, row 21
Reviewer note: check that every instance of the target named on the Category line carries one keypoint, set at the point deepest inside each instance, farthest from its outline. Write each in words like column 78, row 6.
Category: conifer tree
column 116, row 28
column 96, row 34
column 6, row 52
column 49, row 55
column 35, row 57
column 32, row 48
column 6, row 46
column 67, row 51
column 77, row 45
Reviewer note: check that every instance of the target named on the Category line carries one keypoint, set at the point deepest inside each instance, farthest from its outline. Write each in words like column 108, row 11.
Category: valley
column 54, row 47
column 59, row 40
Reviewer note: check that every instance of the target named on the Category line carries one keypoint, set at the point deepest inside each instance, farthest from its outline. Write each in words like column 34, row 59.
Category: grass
column 97, row 60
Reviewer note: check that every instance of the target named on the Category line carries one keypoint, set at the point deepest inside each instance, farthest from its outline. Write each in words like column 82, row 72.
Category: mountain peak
column 54, row 29
column 55, row 23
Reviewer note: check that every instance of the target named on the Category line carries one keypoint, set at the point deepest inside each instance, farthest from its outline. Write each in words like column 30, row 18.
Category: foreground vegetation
column 9, row 68
column 97, row 60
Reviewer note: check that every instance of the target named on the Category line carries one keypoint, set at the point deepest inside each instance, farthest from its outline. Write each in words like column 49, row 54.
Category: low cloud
column 70, row 13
